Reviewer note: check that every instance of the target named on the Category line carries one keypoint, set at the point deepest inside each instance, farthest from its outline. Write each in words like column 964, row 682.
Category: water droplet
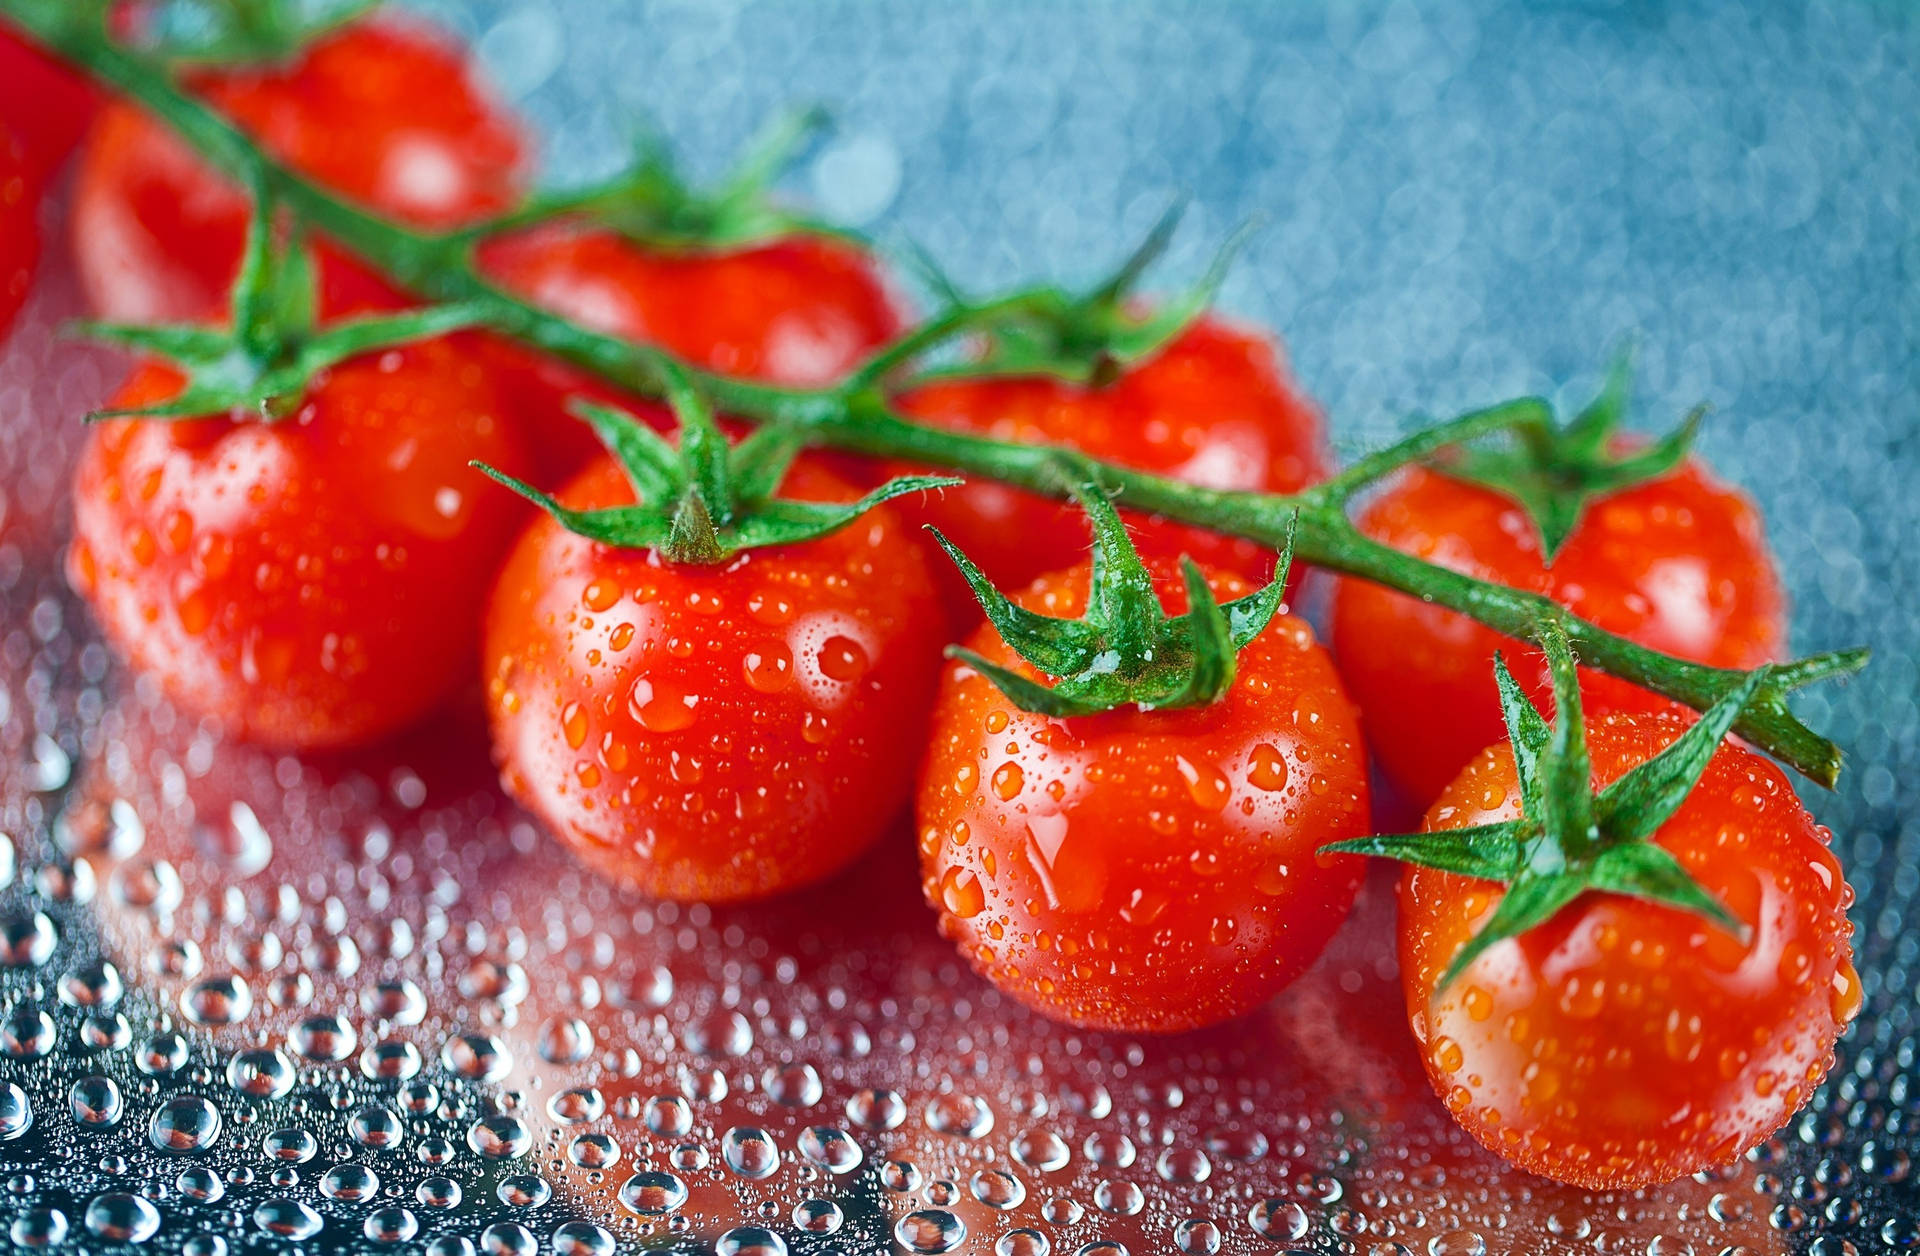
column 27, row 939
column 390, row 1225
column 996, row 1188
column 833, row 1149
column 963, row 1116
column 122, row 1218
column 652, row 1194
column 95, row 1102
column 930, row 1230
column 350, row 1182
column 261, row 1072
column 750, row 1152
column 216, row 1001
column 500, row 1137
column 16, row 1112
column 749, row 1240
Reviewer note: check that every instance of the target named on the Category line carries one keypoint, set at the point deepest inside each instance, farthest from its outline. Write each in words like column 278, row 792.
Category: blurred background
column 1462, row 202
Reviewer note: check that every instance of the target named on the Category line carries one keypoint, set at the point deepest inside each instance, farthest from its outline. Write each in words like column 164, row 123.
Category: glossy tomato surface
column 722, row 732
column 315, row 582
column 1144, row 871
column 801, row 310
column 44, row 102
column 798, row 310
column 1679, row 564
column 1216, row 408
column 382, row 110
column 19, row 228
column 1624, row 1043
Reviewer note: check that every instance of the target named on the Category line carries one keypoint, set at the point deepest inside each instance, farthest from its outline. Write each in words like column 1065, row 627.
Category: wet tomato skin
column 1679, row 564
column 315, row 582
column 1215, row 407
column 383, row 111
column 800, row 310
column 1144, row 871
column 1625, row 1044
column 716, row 733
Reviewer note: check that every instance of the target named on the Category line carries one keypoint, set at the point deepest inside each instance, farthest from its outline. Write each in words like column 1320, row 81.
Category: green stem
column 856, row 416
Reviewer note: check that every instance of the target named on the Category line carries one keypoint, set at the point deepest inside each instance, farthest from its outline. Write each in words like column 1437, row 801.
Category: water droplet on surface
column 216, row 1001
column 963, row 1116
column 582, row 1238
column 499, row 1137
column 750, row 1153
column 16, row 1112
column 261, row 1073
column 95, row 1102
column 476, row 1057
column 287, row 1218
column 652, row 1194
column 122, row 1218
column 996, row 1188
column 27, row 939
column 184, row 1124
column 749, row 1240
column 349, row 1182
column 833, row 1149
column 930, row 1230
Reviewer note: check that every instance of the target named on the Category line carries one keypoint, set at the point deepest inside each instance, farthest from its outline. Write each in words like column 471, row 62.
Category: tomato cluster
column 734, row 728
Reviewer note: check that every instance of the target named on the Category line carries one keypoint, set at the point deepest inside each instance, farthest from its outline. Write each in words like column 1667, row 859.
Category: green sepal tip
column 704, row 500
column 1092, row 338
column 262, row 364
column 1125, row 650
column 1571, row 840
column 1556, row 473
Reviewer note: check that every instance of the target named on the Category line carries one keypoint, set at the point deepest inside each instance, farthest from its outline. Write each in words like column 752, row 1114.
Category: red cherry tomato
column 19, row 229
column 721, row 732
column 1215, row 407
column 1625, row 1043
column 314, row 582
column 46, row 103
column 800, row 310
column 1144, row 871
column 383, row 111
column 1679, row 564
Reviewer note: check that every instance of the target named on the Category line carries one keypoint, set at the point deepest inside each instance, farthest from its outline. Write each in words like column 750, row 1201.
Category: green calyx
column 263, row 364
column 1570, row 840
column 1093, row 337
column 1555, row 472
column 705, row 500
column 244, row 32
column 1126, row 650
column 652, row 202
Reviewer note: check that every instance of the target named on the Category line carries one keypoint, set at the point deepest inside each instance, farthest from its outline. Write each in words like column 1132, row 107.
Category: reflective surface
column 250, row 1001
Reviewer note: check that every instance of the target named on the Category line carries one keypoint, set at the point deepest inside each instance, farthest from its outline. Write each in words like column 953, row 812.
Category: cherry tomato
column 19, row 229
column 1215, row 407
column 381, row 110
column 716, row 733
column 45, row 103
column 1144, row 871
column 798, row 310
column 314, row 582
column 1679, row 564
column 1626, row 1043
